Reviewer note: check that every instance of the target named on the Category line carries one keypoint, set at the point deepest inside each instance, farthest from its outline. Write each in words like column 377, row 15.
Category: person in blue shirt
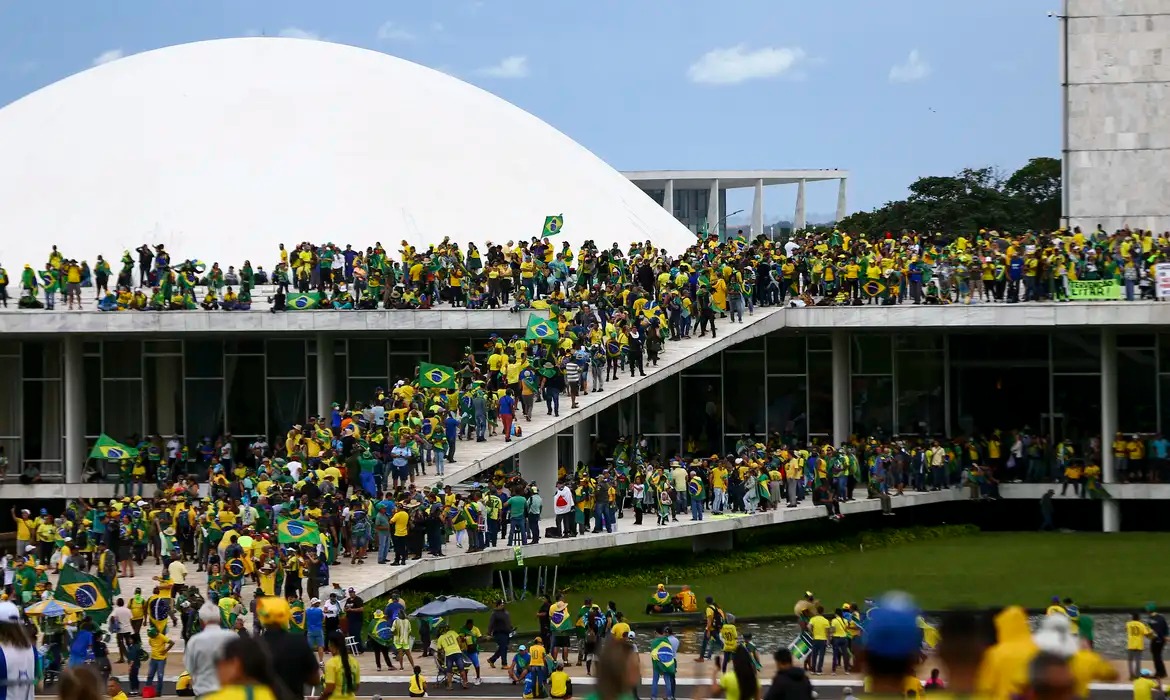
column 507, row 411
column 451, row 425
column 1015, row 274
column 394, row 609
column 1158, row 451
column 315, row 628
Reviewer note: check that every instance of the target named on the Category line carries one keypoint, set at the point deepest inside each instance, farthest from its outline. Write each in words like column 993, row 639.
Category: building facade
column 1115, row 73
column 62, row 392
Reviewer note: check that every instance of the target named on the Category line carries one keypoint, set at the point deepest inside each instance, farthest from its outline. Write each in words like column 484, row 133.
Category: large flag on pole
column 289, row 531
column 436, row 376
column 542, row 329
column 88, row 591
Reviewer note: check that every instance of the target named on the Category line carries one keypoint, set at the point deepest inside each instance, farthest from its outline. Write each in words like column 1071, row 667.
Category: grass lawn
column 987, row 569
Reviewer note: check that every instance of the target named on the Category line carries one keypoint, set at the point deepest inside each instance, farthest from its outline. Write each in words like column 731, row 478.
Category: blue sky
column 888, row 89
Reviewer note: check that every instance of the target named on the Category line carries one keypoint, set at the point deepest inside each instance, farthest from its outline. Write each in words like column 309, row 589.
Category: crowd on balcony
column 823, row 268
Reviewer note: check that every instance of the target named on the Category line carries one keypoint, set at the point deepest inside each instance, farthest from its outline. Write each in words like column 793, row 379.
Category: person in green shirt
column 517, row 505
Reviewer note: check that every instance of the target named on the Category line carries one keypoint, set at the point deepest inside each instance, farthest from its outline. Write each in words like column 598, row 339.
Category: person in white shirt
column 122, row 619
column 563, row 509
column 294, row 468
column 332, row 610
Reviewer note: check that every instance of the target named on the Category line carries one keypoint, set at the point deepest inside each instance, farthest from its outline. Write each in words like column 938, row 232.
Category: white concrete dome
column 222, row 149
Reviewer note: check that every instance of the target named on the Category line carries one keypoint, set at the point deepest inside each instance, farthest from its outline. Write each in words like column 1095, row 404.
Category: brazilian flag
column 873, row 288
column 110, row 449
column 663, row 656
column 235, row 568
column 48, row 279
column 87, row 591
column 542, row 329
column 559, row 617
column 303, row 302
column 695, row 488
column 159, row 608
column 553, row 225
column 382, row 631
column 289, row 531
column 296, row 621
column 436, row 376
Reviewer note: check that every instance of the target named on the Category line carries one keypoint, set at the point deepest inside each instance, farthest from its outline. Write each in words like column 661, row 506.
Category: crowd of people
column 826, row 267
column 888, row 641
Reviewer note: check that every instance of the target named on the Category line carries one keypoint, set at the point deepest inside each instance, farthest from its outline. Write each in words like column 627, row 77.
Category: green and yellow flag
column 553, row 225
column 87, row 591
column 436, row 376
column 543, row 329
column 289, row 531
column 108, row 448
column 303, row 302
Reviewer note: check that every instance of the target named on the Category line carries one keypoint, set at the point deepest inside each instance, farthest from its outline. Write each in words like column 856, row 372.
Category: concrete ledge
column 400, row 576
column 89, row 321
column 1120, row 492
column 35, row 492
column 956, row 317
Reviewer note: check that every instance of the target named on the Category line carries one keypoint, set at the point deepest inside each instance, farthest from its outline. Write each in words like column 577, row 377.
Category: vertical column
column 538, row 463
column 74, row 409
column 713, row 208
column 325, row 390
column 798, row 219
column 582, row 450
column 758, row 209
column 668, row 197
column 842, row 210
column 841, row 393
column 1111, row 509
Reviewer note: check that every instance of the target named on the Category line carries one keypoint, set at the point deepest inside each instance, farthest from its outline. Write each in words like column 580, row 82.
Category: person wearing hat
column 18, row 651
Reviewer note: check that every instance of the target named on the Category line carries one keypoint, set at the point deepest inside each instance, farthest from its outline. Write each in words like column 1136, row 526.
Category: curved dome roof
column 222, row 149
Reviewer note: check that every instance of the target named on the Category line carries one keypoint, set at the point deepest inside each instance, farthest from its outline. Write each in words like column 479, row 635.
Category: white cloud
column 912, row 69
column 392, row 32
column 108, row 56
column 737, row 64
column 510, row 67
column 298, row 33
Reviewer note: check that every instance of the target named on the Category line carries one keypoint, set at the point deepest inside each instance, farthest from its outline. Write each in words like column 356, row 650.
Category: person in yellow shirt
column 1136, row 633
column 1087, row 667
column 1145, row 685
column 818, row 629
column 719, row 484
column 342, row 673
column 839, row 639
column 730, row 638
column 159, row 647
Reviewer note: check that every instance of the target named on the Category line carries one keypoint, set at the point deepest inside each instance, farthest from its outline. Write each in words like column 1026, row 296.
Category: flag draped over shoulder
column 159, row 608
column 436, row 376
column 303, row 302
column 289, row 531
column 542, row 329
column 88, row 591
column 553, row 225
column 109, row 449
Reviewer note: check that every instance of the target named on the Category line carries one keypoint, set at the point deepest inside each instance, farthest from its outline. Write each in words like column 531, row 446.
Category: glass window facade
column 920, row 383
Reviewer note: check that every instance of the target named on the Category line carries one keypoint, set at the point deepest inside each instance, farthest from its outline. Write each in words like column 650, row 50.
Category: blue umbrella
column 448, row 605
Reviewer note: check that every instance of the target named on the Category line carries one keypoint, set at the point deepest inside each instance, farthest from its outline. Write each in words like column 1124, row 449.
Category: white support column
column 326, row 392
column 798, row 219
column 74, row 409
column 538, row 463
column 842, row 207
column 841, row 393
column 758, row 210
column 1111, row 509
column 582, row 449
column 668, row 197
column 713, row 208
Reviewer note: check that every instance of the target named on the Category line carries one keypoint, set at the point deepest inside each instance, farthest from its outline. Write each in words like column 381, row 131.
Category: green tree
column 972, row 199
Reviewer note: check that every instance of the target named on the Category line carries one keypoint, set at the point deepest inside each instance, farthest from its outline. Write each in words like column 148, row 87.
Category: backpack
column 717, row 618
